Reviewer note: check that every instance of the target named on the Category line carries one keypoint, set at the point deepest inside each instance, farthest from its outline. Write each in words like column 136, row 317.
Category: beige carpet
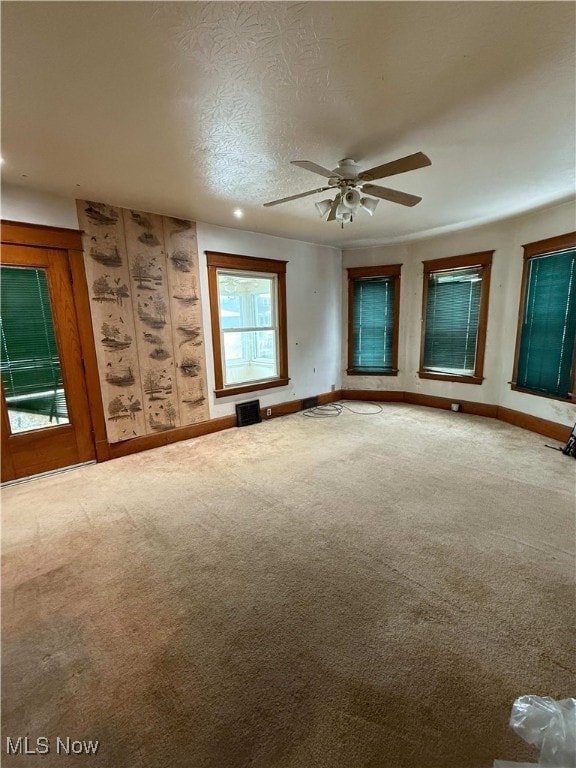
column 305, row 593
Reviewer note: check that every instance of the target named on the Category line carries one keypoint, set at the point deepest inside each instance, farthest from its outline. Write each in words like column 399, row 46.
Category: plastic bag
column 549, row 724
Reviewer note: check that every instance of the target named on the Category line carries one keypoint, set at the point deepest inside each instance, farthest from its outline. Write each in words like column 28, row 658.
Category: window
column 454, row 317
column 248, row 309
column 545, row 345
column 30, row 364
column 373, row 308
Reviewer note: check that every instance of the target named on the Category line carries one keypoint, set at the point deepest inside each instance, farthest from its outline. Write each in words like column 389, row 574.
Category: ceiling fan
column 352, row 183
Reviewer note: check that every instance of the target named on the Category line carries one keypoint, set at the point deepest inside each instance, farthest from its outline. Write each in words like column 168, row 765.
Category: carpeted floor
column 351, row 592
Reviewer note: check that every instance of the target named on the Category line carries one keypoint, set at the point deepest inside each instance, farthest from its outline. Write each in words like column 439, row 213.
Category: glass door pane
column 30, row 364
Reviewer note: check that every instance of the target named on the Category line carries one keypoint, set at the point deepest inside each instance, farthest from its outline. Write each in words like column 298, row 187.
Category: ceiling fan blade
column 409, row 163
column 295, row 197
column 315, row 168
column 335, row 204
column 391, row 194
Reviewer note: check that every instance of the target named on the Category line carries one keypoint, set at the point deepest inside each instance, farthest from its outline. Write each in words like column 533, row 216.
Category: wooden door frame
column 69, row 241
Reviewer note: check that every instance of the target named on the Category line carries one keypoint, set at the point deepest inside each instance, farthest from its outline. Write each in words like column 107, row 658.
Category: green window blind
column 373, row 324
column 452, row 317
column 30, row 364
column 548, row 331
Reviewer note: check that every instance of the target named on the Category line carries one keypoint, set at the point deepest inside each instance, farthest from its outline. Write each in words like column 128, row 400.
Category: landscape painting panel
column 143, row 276
column 186, row 310
column 108, row 280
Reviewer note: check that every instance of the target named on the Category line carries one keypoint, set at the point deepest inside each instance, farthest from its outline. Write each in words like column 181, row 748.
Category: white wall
column 313, row 282
column 35, row 207
column 317, row 302
column 506, row 239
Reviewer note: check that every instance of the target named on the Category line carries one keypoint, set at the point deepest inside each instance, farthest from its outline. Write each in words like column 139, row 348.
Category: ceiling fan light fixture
column 323, row 207
column 343, row 213
column 369, row 204
column 351, row 198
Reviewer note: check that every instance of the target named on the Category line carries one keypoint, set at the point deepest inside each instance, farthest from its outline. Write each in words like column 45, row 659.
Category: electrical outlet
column 333, row 388
column 268, row 411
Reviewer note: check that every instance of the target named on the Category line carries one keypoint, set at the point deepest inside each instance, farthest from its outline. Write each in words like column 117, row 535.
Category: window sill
column 451, row 377
column 355, row 372
column 252, row 387
column 570, row 399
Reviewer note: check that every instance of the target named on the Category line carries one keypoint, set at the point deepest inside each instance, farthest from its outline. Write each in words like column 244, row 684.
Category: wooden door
column 46, row 421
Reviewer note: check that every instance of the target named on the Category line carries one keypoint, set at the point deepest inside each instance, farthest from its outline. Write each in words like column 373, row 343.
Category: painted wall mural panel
column 149, row 292
column 143, row 276
column 186, row 313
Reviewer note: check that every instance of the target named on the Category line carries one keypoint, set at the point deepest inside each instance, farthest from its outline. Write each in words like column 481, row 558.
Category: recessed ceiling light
column 1, row 160
column 238, row 213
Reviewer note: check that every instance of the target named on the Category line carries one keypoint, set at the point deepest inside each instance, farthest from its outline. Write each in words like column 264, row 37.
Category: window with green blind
column 454, row 317
column 30, row 364
column 547, row 331
column 373, row 295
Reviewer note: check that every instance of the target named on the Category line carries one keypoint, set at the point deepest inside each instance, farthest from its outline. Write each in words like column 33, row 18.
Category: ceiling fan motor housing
column 348, row 169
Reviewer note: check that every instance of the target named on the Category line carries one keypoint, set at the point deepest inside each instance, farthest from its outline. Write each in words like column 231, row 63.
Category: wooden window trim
column 550, row 245
column 216, row 260
column 41, row 236
column 480, row 259
column 244, row 263
column 531, row 251
column 385, row 270
column 450, row 377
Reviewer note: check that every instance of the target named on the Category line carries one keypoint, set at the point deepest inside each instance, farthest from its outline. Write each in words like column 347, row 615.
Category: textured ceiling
column 194, row 109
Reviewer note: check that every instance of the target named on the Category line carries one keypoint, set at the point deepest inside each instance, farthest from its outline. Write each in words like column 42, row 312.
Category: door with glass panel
column 46, row 420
